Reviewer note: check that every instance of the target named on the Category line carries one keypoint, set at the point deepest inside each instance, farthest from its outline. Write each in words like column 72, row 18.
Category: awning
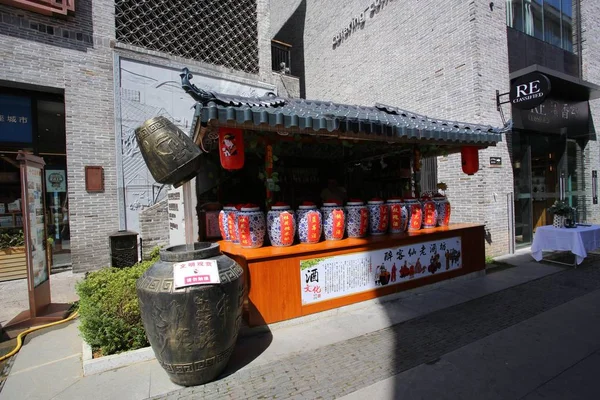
column 380, row 122
column 566, row 86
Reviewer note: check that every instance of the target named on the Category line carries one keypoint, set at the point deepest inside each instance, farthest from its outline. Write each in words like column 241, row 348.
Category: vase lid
column 307, row 207
column 395, row 200
column 332, row 204
column 355, row 203
column 280, row 208
column 376, row 201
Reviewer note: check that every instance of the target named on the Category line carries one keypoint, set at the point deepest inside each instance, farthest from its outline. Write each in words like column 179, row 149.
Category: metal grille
column 222, row 32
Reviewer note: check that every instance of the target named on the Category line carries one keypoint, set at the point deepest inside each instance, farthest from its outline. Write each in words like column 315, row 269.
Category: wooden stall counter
column 288, row 282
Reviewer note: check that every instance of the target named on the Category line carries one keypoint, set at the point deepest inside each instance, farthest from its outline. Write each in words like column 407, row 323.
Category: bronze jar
column 170, row 154
column 192, row 330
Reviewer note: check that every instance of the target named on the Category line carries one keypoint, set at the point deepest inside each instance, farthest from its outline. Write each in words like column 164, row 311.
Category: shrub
column 109, row 311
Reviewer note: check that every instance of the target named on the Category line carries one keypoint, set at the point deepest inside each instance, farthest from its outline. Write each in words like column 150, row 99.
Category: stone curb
column 93, row 366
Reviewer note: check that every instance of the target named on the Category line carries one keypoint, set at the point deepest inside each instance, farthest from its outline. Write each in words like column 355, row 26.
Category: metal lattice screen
column 220, row 32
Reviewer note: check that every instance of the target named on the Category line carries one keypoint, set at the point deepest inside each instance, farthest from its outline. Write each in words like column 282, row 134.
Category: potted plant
column 13, row 264
column 561, row 210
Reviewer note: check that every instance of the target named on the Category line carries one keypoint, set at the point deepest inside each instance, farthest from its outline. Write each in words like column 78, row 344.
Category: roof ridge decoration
column 319, row 117
column 204, row 97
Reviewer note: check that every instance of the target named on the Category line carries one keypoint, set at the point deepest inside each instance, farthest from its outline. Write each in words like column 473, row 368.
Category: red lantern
column 470, row 159
column 231, row 148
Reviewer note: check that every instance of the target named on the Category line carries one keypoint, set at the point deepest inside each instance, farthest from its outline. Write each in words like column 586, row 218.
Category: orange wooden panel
column 273, row 273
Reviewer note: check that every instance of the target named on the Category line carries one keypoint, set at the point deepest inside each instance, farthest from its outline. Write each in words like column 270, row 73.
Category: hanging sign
column 56, row 181
column 195, row 272
column 15, row 119
column 529, row 90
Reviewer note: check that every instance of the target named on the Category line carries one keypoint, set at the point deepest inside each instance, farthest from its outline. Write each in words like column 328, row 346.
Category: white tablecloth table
column 577, row 240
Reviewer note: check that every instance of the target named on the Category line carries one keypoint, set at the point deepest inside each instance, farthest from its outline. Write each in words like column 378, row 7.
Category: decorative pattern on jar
column 281, row 225
column 224, row 227
column 415, row 214
column 251, row 226
column 357, row 223
column 443, row 210
column 429, row 213
column 398, row 216
column 334, row 221
column 310, row 223
column 378, row 217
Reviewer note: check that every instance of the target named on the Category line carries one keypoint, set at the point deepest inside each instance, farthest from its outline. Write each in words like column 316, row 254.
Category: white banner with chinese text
column 330, row 277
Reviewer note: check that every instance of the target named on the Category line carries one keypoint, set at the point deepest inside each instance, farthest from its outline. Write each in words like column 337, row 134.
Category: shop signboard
column 331, row 277
column 555, row 116
column 15, row 119
column 56, row 181
column 529, row 90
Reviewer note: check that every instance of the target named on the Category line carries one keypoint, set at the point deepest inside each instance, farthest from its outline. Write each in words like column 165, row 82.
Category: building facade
column 449, row 61
column 88, row 74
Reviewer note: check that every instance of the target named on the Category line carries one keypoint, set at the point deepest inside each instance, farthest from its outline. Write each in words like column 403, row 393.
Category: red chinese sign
column 364, row 221
column 244, row 230
column 383, row 217
column 429, row 214
column 416, row 216
column 314, row 227
column 231, row 226
column 338, row 224
column 396, row 213
column 287, row 231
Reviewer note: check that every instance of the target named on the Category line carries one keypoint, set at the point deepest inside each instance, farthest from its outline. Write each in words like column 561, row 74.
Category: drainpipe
column 579, row 39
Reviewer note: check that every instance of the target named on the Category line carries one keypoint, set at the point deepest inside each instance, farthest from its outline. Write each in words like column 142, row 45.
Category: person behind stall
column 333, row 191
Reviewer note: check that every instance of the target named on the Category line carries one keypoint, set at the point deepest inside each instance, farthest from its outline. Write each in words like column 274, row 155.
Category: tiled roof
column 380, row 122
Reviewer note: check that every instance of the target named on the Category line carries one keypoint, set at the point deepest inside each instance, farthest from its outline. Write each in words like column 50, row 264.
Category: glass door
column 540, row 172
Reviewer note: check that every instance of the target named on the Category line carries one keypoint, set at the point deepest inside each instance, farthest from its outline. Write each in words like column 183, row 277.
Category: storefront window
column 547, row 20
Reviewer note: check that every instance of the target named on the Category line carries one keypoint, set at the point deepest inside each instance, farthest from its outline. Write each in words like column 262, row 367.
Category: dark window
column 547, row 20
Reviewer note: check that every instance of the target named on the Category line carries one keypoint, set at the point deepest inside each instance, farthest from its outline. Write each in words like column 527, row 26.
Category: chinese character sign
column 195, row 272
column 15, row 119
column 331, row 277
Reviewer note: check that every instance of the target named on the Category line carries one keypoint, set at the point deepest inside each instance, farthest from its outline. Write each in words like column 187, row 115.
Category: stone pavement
column 530, row 330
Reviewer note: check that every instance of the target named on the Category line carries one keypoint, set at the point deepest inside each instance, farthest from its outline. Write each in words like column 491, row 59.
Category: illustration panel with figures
column 330, row 277
column 35, row 209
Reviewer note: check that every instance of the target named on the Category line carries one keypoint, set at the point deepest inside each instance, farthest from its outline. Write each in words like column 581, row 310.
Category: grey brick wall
column 444, row 61
column 154, row 227
column 82, row 66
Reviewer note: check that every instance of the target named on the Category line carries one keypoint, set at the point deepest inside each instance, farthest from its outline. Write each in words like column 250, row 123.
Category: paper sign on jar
column 195, row 272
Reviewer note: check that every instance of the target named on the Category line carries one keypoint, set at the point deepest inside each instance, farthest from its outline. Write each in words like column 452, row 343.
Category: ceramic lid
column 307, row 207
column 332, row 204
column 280, row 208
column 354, row 203
column 395, row 200
column 250, row 208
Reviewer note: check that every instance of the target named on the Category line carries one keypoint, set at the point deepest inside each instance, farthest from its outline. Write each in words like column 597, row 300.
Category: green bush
column 109, row 311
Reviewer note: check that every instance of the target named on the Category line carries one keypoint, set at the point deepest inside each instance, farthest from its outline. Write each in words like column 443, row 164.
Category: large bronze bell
column 170, row 154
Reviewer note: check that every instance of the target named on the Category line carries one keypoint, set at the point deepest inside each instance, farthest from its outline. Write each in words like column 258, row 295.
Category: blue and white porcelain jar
column 379, row 217
column 334, row 221
column 357, row 220
column 310, row 223
column 398, row 215
column 223, row 222
column 281, row 225
column 443, row 210
column 251, row 226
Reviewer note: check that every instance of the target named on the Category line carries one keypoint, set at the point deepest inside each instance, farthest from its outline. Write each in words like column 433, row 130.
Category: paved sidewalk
column 329, row 355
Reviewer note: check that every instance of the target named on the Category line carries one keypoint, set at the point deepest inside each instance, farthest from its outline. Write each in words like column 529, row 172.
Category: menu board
column 330, row 277
column 35, row 208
